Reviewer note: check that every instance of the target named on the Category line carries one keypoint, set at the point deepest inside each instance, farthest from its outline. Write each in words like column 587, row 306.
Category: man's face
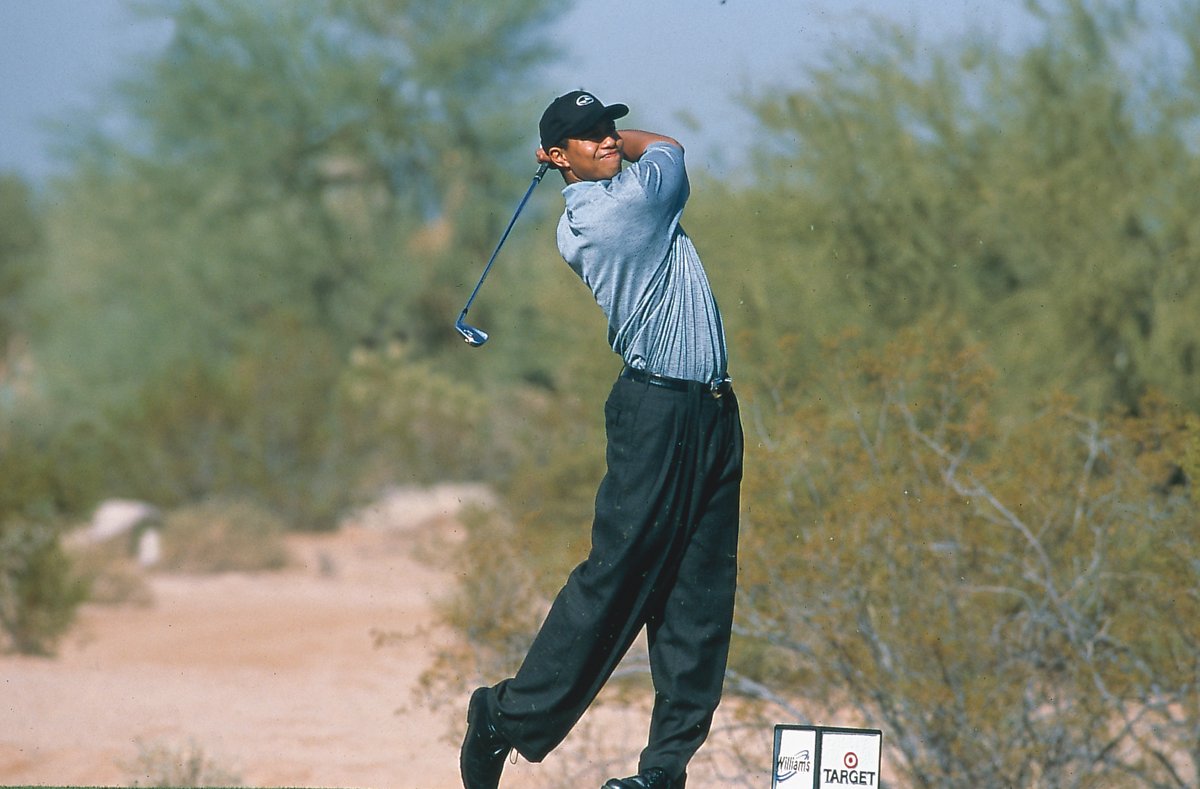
column 593, row 155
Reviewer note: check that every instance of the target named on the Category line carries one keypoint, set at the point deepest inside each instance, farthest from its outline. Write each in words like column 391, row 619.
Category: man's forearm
column 636, row 142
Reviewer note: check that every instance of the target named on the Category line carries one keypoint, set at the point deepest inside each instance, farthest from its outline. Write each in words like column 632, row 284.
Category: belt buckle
column 717, row 388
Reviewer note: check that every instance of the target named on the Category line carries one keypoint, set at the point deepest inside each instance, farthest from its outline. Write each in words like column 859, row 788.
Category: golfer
column 664, row 538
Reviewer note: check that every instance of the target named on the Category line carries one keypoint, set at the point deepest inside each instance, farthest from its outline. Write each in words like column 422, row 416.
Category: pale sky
column 667, row 59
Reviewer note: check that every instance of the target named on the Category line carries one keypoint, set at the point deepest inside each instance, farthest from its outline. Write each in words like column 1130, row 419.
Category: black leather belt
column 717, row 389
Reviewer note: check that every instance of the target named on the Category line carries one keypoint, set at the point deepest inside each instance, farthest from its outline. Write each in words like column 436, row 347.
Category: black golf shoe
column 650, row 778
column 484, row 749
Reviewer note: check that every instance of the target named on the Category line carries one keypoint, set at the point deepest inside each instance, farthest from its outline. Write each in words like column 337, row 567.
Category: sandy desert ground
column 274, row 677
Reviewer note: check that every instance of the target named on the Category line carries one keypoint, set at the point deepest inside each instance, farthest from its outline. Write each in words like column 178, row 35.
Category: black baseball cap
column 573, row 113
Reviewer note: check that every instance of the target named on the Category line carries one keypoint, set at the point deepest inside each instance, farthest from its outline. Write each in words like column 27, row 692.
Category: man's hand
column 543, row 157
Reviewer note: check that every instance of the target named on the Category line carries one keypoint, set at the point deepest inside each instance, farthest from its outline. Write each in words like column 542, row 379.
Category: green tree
column 20, row 236
column 38, row 591
column 1047, row 193
column 293, row 181
column 335, row 160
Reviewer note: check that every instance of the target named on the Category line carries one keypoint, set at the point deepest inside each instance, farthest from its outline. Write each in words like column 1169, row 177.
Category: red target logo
column 850, row 760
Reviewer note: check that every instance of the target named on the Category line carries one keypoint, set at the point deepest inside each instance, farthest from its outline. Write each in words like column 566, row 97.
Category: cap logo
column 584, row 100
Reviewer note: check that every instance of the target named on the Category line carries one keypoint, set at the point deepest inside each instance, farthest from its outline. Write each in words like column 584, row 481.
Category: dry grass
column 223, row 535
column 164, row 765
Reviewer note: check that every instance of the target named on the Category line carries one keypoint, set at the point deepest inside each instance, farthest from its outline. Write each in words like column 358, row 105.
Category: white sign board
column 849, row 758
column 795, row 757
column 825, row 757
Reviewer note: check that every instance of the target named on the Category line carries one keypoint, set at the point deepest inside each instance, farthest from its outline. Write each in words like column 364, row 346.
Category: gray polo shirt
column 624, row 240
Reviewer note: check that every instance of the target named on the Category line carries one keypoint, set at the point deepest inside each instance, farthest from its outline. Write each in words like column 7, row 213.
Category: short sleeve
column 661, row 175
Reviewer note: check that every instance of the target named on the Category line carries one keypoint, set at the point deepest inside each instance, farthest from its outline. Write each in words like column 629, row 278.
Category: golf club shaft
column 536, row 178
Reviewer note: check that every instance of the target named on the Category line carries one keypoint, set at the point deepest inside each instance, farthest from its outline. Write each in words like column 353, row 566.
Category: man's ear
column 558, row 157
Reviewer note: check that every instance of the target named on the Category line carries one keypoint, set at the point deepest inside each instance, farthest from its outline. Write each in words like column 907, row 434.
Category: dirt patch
column 276, row 676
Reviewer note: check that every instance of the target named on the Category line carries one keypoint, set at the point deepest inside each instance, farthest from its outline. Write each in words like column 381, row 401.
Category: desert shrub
column 290, row 422
column 402, row 417
column 223, row 535
column 21, row 235
column 31, row 481
column 255, row 424
column 164, row 765
column 38, row 590
column 112, row 576
column 1047, row 193
column 1014, row 601
column 1191, row 457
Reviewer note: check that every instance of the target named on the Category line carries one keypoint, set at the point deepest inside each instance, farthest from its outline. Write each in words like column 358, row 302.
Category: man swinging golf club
column 664, row 538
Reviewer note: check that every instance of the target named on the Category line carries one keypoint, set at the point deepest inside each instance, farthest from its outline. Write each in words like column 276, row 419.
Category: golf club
column 476, row 337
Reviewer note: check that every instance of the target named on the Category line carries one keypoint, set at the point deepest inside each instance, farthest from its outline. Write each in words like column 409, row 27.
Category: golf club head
column 474, row 337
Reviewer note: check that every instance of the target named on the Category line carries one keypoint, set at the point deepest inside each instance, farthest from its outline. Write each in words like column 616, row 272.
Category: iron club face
column 474, row 337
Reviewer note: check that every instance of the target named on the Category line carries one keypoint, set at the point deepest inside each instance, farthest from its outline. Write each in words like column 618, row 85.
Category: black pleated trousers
column 663, row 557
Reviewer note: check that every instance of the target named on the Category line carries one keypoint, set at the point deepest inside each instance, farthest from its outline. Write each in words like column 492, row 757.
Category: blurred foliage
column 286, row 187
column 38, row 589
column 1191, row 457
column 1048, row 194
column 113, row 577
column 1013, row 602
column 295, row 186
column 223, row 535
column 342, row 162
column 254, row 426
column 436, row 427
column 20, row 237
column 163, row 764
column 38, row 592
